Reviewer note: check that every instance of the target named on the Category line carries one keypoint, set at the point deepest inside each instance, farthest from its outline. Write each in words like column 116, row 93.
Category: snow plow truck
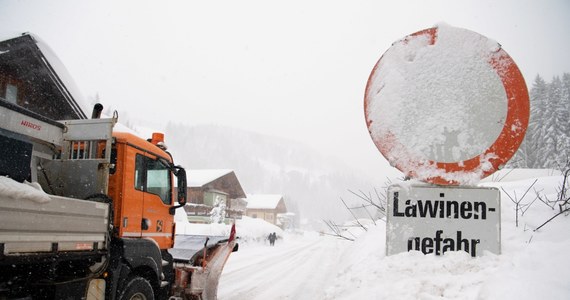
column 87, row 212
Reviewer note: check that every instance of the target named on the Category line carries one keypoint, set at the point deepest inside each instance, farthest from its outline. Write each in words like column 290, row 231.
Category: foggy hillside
column 311, row 182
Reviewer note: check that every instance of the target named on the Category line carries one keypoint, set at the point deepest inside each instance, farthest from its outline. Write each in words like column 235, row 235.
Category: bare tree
column 379, row 204
column 562, row 200
column 519, row 206
column 339, row 231
column 375, row 202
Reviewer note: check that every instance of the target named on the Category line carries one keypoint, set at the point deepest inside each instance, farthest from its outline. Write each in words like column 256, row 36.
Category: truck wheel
column 138, row 288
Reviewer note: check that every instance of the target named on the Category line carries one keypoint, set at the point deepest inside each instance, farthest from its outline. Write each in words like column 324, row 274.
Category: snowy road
column 295, row 268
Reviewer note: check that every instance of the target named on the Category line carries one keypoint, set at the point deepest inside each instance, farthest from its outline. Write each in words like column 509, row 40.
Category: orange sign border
column 504, row 147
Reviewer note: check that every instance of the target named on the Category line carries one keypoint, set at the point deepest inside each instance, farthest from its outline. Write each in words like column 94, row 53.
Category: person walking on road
column 272, row 237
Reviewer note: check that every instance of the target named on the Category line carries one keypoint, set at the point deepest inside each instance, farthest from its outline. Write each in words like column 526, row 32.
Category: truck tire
column 137, row 288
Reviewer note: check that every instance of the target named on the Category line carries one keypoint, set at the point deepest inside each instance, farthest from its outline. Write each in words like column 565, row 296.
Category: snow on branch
column 563, row 200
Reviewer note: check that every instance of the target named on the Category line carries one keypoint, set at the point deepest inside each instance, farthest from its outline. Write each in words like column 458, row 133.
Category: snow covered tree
column 547, row 139
column 527, row 154
column 218, row 212
column 565, row 120
column 550, row 130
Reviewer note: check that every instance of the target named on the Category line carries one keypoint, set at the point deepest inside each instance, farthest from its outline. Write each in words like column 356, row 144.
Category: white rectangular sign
column 437, row 219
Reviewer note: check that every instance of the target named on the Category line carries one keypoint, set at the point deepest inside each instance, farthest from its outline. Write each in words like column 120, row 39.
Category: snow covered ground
column 533, row 264
column 297, row 267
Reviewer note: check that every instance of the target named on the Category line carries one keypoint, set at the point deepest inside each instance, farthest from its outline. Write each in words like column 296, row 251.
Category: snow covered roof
column 32, row 62
column 64, row 76
column 198, row 178
column 265, row 201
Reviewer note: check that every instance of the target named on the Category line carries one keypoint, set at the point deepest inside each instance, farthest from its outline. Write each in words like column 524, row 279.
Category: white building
column 266, row 207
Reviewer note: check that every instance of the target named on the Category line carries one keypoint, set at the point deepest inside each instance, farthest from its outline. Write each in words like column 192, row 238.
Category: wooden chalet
column 205, row 187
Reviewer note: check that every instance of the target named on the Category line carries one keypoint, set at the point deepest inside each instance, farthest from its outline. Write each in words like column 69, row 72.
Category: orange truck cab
column 142, row 185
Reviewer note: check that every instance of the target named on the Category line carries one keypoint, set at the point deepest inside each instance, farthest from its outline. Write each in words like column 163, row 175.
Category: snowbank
column 533, row 265
column 247, row 229
column 250, row 229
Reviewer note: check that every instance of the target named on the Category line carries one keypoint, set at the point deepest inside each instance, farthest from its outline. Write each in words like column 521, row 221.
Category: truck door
column 132, row 194
column 156, row 221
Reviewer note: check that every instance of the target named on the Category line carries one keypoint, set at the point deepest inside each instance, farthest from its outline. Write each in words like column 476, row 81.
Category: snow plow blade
column 199, row 276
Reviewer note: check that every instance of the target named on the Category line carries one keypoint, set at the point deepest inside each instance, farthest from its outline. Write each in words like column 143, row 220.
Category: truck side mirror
column 182, row 184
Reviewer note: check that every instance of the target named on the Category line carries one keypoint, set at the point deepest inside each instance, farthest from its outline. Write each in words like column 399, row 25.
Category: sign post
column 446, row 106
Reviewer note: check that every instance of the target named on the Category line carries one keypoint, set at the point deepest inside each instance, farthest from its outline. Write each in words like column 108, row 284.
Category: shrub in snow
column 218, row 213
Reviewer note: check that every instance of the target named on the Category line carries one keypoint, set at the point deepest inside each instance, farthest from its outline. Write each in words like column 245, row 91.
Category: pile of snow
column 252, row 229
column 27, row 191
column 532, row 265
column 247, row 229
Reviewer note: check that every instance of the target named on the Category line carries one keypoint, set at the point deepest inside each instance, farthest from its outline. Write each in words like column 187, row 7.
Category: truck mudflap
column 198, row 277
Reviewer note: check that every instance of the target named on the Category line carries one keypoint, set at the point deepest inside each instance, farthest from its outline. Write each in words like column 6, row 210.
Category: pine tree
column 550, row 124
column 547, row 140
column 564, row 155
column 535, row 132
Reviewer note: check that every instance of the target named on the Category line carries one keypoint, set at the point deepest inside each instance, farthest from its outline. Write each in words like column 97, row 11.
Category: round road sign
column 446, row 105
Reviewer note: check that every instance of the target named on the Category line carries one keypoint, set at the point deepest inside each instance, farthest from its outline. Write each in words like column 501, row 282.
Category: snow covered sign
column 446, row 105
column 436, row 219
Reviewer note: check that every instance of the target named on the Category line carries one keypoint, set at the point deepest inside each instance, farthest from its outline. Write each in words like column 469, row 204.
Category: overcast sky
column 295, row 69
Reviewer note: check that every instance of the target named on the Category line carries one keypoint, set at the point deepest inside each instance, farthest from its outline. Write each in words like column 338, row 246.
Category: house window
column 254, row 216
